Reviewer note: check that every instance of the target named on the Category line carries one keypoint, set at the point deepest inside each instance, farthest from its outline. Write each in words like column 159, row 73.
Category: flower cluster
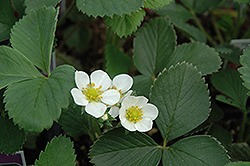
column 98, row 93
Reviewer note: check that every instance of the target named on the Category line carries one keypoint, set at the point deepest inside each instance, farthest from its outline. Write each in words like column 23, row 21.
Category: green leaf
column 245, row 69
column 239, row 152
column 180, row 94
column 35, row 103
column 153, row 46
column 142, row 84
column 33, row 36
column 117, row 61
column 200, row 6
column 36, row 4
column 240, row 163
column 175, row 11
column 15, row 67
column 228, row 81
column 11, row 138
column 73, row 121
column 108, row 7
column 19, row 7
column 7, row 19
column 195, row 150
column 126, row 24
column 117, row 148
column 233, row 56
column 57, row 153
column 155, row 4
column 206, row 59
column 189, row 30
column 221, row 134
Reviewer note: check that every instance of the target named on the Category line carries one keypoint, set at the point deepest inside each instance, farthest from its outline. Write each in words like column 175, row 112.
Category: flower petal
column 123, row 82
column 150, row 111
column 110, row 97
column 129, row 101
column 96, row 109
column 128, row 125
column 81, row 79
column 114, row 111
column 100, row 78
column 142, row 101
column 144, row 125
column 79, row 97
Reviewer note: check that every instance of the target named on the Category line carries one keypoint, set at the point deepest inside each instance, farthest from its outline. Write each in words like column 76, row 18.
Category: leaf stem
column 217, row 30
column 67, row 12
column 243, row 124
column 197, row 22
column 165, row 142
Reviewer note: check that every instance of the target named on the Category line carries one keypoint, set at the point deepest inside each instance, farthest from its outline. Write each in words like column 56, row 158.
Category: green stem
column 67, row 12
column 64, row 59
column 217, row 30
column 243, row 124
column 165, row 142
column 92, row 128
column 238, row 24
column 97, row 128
column 197, row 22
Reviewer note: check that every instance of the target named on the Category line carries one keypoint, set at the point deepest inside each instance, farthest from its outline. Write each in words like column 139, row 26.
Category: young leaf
column 245, row 69
column 108, row 7
column 117, row 61
column 7, row 19
column 11, row 138
column 155, row 4
column 57, row 153
column 36, row 4
column 73, row 121
column 206, row 59
column 182, row 98
column 228, row 81
column 15, row 67
column 117, row 148
column 33, row 36
column 153, row 46
column 195, row 150
column 35, row 103
column 126, row 24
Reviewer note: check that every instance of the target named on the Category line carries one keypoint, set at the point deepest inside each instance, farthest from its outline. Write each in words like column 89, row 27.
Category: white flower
column 136, row 114
column 122, row 83
column 93, row 92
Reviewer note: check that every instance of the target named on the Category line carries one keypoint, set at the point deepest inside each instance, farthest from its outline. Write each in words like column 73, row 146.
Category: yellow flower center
column 92, row 93
column 134, row 114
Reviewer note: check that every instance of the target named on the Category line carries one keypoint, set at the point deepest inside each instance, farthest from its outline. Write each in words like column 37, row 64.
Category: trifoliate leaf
column 11, row 138
column 153, row 46
column 33, row 36
column 117, row 148
column 57, row 153
column 155, row 4
column 180, row 94
column 7, row 19
column 196, row 150
column 108, row 7
column 117, row 61
column 36, row 4
column 126, row 24
column 206, row 59
column 228, row 81
column 35, row 103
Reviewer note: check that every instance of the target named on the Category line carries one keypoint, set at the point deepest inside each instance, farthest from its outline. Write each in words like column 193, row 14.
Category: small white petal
column 123, row 82
column 129, row 101
column 79, row 97
column 150, row 111
column 142, row 101
column 144, row 125
column 81, row 79
column 122, row 114
column 100, row 78
column 114, row 111
column 96, row 109
column 128, row 125
column 110, row 97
